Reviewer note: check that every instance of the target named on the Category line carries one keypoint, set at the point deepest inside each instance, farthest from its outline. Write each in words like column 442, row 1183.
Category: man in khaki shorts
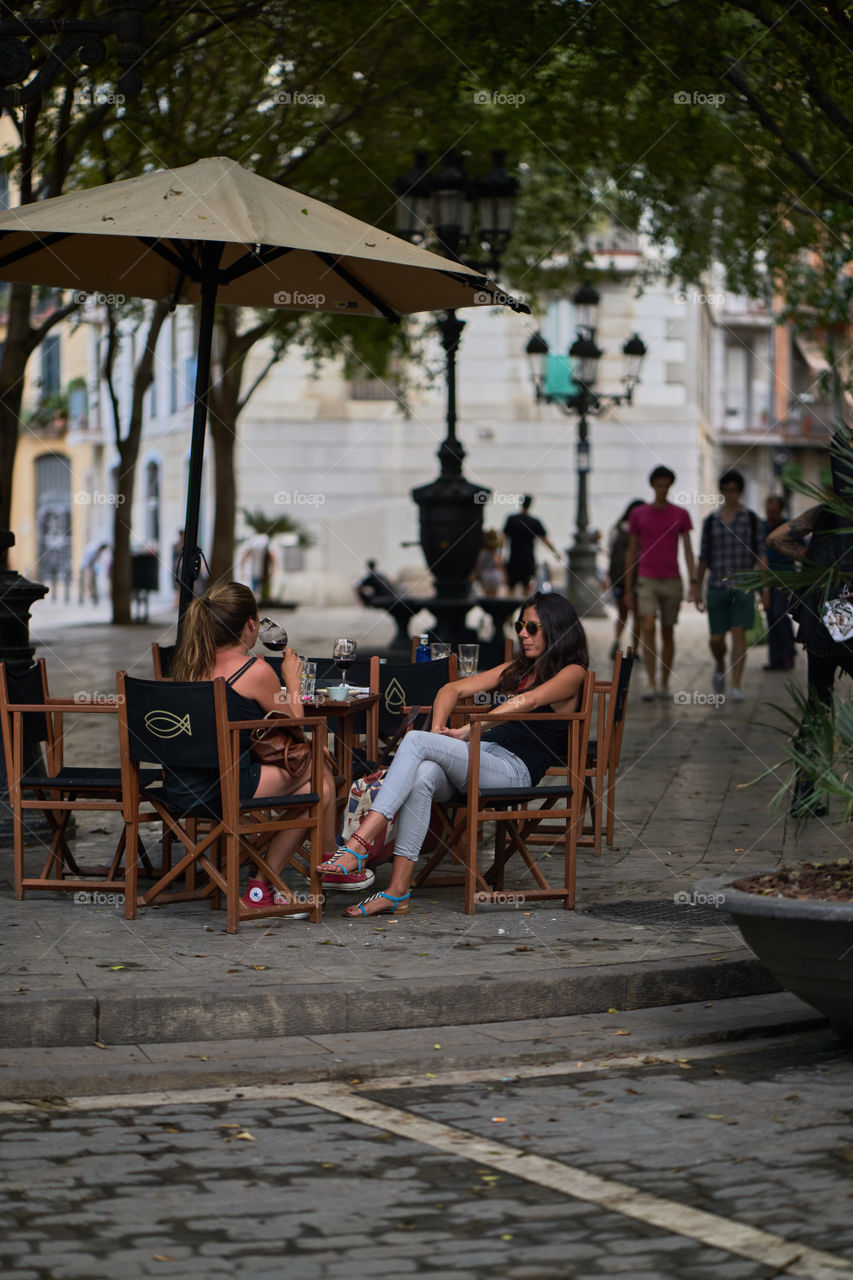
column 652, row 580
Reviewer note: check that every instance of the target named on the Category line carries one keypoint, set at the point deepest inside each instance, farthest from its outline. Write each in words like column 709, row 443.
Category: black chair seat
column 511, row 794
column 178, row 807
column 77, row 778
column 280, row 802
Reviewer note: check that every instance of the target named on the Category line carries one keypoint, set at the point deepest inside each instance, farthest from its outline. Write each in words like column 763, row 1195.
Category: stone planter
column 807, row 944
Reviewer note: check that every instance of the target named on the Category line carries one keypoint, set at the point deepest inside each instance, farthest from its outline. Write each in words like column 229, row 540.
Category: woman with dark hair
column 620, row 536
column 219, row 630
column 546, row 676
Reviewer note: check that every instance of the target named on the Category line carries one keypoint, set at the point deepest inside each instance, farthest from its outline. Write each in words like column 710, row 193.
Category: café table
column 344, row 712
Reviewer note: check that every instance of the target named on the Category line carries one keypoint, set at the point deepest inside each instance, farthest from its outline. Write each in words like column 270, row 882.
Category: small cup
column 338, row 692
column 309, row 678
column 469, row 656
column 438, row 651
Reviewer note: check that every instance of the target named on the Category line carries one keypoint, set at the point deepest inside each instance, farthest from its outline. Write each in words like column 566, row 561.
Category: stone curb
column 49, row 1077
column 44, row 1021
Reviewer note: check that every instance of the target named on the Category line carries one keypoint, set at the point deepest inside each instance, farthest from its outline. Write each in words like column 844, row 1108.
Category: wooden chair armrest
column 279, row 722
column 60, row 705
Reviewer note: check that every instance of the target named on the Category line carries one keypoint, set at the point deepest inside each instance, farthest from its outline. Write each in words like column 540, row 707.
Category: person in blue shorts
column 732, row 543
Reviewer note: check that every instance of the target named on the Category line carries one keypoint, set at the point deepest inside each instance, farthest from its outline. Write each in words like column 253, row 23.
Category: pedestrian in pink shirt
column 652, row 579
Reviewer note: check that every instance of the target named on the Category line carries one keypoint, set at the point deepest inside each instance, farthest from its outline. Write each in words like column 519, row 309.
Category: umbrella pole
column 191, row 554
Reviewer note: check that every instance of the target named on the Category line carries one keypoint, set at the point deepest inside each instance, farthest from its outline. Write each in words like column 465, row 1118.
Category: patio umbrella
column 213, row 232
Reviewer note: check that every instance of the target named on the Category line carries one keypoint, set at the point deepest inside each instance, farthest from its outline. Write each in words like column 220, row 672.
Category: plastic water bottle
column 422, row 653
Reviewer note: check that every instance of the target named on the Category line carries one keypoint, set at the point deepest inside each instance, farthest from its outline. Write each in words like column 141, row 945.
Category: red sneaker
column 348, row 881
column 261, row 894
column 258, row 894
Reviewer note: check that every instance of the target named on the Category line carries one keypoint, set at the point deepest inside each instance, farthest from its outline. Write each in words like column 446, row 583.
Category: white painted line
column 347, row 1100
column 706, row 1228
column 371, row 1084
column 533, row 1071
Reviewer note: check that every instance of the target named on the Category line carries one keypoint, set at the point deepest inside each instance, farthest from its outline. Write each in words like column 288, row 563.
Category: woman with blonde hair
column 219, row 630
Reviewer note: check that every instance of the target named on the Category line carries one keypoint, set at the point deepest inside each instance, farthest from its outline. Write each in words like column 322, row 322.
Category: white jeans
column 431, row 766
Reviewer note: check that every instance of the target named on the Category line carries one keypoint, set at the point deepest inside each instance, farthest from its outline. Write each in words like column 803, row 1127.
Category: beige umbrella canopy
column 213, row 232
column 146, row 237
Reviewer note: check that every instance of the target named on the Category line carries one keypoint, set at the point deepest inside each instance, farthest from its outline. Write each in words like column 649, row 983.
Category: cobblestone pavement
column 682, row 815
column 727, row 1162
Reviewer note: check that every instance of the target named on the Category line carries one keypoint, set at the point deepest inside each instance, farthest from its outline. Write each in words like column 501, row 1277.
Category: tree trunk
column 17, row 350
column 224, row 405
column 128, row 451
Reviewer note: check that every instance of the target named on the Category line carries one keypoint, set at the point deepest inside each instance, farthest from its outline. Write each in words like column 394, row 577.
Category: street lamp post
column 56, row 40
column 581, row 399
column 470, row 219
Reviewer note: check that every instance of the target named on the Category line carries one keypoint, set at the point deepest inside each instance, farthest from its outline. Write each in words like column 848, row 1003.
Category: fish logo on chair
column 165, row 724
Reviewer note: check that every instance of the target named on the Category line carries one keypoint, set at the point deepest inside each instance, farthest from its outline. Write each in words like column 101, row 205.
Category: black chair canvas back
column 621, row 695
column 491, row 654
column 327, row 672
column 171, row 724
column 408, row 684
column 162, row 655
column 28, row 687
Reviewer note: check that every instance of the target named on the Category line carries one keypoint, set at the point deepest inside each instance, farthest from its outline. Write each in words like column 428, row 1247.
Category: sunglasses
column 532, row 628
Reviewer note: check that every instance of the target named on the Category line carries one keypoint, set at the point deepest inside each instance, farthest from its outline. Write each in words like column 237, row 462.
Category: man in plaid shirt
column 731, row 543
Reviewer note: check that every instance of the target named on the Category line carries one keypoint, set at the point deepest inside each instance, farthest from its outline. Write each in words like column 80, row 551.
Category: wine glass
column 272, row 636
column 343, row 655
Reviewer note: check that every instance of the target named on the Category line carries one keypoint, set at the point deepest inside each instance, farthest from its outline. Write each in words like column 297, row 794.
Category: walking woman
column 546, row 676
column 620, row 536
column 219, row 630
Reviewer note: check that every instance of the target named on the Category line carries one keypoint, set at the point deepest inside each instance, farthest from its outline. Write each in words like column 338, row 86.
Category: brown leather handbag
column 283, row 744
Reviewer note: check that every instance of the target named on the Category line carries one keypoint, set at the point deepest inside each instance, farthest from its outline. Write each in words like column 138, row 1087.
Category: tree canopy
column 721, row 127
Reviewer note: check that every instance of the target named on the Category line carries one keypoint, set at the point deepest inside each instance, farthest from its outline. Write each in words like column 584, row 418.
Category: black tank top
column 538, row 743
column 241, row 708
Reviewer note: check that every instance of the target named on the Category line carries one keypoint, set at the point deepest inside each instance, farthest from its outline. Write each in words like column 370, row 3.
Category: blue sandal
column 395, row 909
column 346, row 881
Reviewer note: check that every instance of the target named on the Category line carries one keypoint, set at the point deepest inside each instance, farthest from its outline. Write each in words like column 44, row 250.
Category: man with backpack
column 732, row 543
